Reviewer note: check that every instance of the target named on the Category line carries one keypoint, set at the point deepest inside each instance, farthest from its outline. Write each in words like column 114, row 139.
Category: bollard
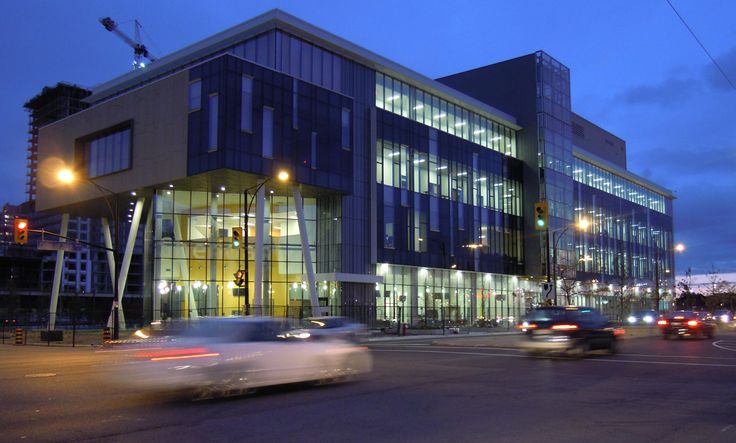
column 106, row 336
column 18, row 336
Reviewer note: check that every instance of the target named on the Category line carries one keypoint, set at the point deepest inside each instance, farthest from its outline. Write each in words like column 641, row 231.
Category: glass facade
column 194, row 258
column 400, row 98
column 443, row 201
column 611, row 183
column 428, row 297
column 554, row 151
column 108, row 153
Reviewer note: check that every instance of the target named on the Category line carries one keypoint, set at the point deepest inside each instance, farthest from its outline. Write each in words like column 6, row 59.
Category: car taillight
column 692, row 323
column 662, row 322
column 679, row 317
column 177, row 354
column 564, row 327
column 526, row 326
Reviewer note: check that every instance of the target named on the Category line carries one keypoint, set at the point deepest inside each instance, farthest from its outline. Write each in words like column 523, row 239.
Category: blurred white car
column 228, row 356
column 334, row 327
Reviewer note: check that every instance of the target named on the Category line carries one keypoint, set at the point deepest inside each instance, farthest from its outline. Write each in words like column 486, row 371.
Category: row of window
column 246, row 117
column 613, row 184
column 401, row 166
column 407, row 101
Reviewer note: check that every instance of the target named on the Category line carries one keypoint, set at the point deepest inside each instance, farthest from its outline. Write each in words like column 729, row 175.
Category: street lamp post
column 657, row 258
column 67, row 176
column 282, row 176
column 582, row 225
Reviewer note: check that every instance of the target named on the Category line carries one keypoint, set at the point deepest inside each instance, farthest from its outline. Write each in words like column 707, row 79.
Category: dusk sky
column 635, row 71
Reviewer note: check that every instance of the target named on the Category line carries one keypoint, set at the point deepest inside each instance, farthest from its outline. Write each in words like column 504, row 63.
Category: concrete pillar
column 58, row 271
column 303, row 236
column 258, row 264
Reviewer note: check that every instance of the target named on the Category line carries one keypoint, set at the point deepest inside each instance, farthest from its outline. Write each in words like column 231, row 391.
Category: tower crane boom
column 139, row 49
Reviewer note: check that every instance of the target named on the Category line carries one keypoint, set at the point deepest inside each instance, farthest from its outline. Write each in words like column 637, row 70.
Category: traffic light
column 237, row 236
column 239, row 278
column 541, row 211
column 21, row 231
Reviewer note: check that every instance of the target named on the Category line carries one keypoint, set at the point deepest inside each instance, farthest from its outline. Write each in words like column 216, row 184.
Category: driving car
column 723, row 316
column 334, row 327
column 211, row 357
column 687, row 324
column 643, row 318
column 572, row 330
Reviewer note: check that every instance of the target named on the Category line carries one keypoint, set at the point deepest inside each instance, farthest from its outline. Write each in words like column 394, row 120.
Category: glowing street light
column 65, row 176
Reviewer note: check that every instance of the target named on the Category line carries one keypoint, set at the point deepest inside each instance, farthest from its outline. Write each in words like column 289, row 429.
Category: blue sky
column 635, row 69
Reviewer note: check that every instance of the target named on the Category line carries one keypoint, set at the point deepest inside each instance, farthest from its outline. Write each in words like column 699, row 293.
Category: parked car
column 223, row 356
column 643, row 318
column 572, row 330
column 687, row 324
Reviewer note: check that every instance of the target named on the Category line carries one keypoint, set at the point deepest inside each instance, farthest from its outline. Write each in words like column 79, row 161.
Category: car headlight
column 632, row 319
column 724, row 318
column 648, row 318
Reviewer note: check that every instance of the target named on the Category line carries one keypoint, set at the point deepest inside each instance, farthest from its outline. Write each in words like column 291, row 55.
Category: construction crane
column 139, row 49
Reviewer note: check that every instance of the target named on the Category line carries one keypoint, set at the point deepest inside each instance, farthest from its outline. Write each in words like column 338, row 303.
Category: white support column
column 58, row 271
column 299, row 203
column 110, row 256
column 258, row 264
column 127, row 256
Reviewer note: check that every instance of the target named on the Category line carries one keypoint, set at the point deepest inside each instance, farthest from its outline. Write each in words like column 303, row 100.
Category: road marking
column 611, row 360
column 678, row 356
column 40, row 375
column 725, row 348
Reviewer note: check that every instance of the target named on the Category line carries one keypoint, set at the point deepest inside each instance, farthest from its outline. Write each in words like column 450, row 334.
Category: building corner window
column 213, row 122
column 267, row 132
column 195, row 95
column 246, row 104
column 345, row 133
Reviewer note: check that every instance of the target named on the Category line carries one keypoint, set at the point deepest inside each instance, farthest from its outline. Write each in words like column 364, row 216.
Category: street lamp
column 678, row 248
column 282, row 176
column 68, row 177
column 582, row 225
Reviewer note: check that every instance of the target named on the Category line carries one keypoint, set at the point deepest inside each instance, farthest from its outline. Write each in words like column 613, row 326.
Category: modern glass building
column 407, row 198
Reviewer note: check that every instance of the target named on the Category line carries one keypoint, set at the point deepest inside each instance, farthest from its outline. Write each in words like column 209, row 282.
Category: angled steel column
column 314, row 299
column 58, row 270
column 108, row 244
column 127, row 256
column 258, row 264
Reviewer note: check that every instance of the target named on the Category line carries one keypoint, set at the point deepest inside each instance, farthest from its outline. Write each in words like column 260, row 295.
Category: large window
column 108, row 153
column 246, row 104
column 267, row 132
column 213, row 120
column 345, row 132
column 195, row 95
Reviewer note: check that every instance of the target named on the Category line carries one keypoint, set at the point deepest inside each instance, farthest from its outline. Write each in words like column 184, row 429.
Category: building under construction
column 51, row 104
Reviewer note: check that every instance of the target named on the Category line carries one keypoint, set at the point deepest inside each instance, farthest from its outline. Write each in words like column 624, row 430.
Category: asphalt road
column 654, row 390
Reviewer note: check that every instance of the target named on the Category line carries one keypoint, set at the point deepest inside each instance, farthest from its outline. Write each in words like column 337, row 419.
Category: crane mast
column 139, row 49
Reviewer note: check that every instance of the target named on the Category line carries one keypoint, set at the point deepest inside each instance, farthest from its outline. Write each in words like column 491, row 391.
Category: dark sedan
column 683, row 324
column 572, row 330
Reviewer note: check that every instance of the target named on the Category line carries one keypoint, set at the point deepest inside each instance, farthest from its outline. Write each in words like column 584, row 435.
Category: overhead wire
column 702, row 45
